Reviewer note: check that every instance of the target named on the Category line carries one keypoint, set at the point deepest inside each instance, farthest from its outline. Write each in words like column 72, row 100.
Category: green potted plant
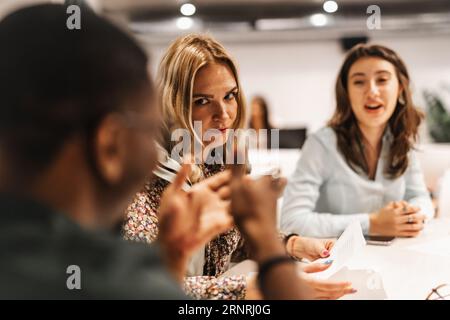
column 438, row 116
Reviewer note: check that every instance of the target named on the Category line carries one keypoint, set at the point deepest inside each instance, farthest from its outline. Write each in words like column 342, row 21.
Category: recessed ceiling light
column 187, row 9
column 330, row 6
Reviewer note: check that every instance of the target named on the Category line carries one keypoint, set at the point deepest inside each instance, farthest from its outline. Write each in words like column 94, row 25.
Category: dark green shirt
column 37, row 245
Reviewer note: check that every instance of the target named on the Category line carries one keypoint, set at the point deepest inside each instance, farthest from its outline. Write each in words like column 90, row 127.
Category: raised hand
column 253, row 205
column 190, row 219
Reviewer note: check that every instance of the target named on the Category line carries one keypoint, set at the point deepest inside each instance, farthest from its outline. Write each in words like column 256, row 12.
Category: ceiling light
column 330, row 6
column 187, row 9
column 318, row 20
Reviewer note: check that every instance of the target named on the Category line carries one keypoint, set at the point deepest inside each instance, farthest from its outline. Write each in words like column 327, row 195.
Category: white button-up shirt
column 324, row 194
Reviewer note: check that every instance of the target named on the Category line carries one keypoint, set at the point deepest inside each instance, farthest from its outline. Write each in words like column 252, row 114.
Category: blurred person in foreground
column 77, row 128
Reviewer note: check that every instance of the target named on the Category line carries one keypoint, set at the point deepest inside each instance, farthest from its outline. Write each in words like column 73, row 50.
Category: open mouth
column 222, row 130
column 373, row 107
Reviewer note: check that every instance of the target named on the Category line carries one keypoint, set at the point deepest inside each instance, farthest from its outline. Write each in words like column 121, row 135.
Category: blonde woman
column 199, row 84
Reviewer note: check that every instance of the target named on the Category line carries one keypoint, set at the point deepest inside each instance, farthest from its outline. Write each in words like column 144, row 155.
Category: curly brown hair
column 403, row 123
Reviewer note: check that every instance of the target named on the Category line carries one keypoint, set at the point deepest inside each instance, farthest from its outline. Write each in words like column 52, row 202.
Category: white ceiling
column 236, row 19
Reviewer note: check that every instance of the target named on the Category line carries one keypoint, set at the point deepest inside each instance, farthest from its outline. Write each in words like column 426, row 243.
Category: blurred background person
column 260, row 119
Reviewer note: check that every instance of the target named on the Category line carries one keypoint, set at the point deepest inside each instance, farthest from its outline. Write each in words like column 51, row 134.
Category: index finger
column 181, row 176
column 330, row 285
column 237, row 169
column 219, row 180
column 409, row 210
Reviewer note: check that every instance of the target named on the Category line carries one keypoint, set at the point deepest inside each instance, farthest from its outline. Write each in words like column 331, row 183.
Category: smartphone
column 379, row 240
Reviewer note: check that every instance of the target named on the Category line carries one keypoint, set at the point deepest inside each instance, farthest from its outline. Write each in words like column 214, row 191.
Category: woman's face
column 373, row 89
column 214, row 100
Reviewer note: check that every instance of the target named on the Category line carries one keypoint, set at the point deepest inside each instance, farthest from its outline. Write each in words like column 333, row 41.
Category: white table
column 407, row 273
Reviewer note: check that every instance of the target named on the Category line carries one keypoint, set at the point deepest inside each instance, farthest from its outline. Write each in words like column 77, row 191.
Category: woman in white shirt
column 362, row 165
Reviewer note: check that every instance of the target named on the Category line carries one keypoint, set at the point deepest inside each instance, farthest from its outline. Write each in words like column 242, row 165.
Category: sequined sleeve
column 212, row 288
column 141, row 223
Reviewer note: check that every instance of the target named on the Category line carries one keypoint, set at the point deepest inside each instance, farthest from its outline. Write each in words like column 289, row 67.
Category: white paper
column 368, row 283
column 350, row 243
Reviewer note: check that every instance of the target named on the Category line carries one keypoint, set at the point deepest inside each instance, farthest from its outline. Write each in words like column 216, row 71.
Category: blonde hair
column 175, row 82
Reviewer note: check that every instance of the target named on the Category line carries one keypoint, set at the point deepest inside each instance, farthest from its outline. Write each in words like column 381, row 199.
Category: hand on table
column 397, row 219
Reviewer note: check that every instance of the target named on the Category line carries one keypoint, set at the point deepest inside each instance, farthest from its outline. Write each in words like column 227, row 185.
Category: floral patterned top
column 142, row 225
